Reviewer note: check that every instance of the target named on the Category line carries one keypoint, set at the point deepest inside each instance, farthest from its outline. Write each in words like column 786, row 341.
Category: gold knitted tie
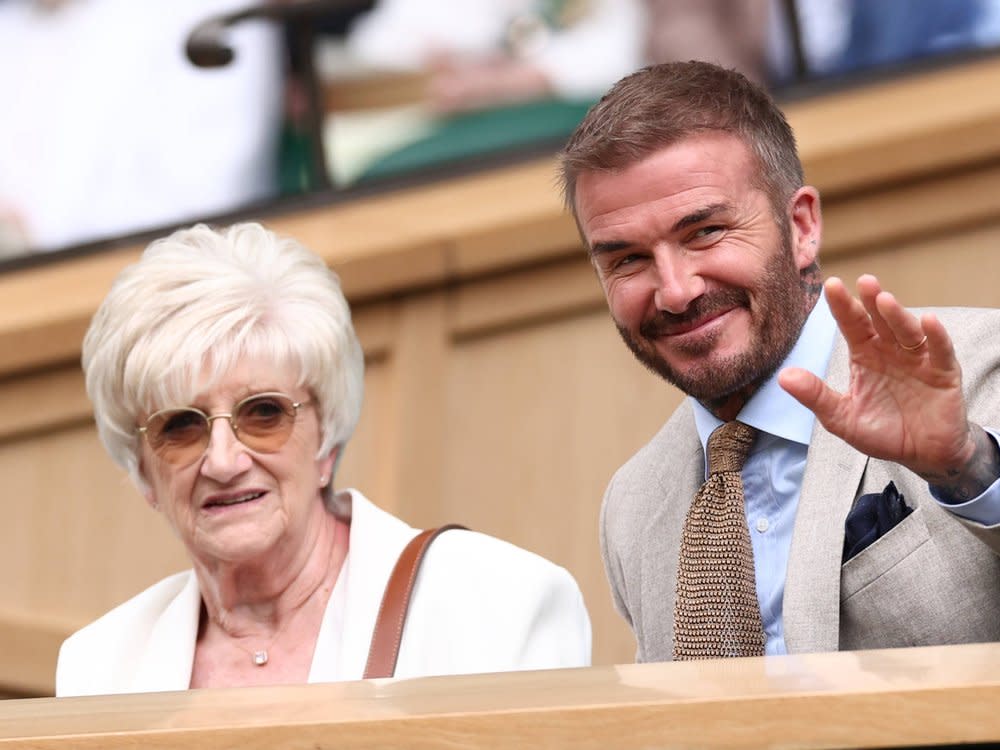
column 716, row 613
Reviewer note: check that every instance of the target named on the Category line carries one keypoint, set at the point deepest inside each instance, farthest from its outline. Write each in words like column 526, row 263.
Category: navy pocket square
column 873, row 516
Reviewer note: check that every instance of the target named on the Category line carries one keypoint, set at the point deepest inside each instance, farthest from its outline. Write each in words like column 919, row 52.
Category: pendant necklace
column 260, row 656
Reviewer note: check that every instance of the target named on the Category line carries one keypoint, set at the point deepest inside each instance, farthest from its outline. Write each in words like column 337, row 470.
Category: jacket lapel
column 168, row 658
column 377, row 539
column 811, row 607
column 661, row 498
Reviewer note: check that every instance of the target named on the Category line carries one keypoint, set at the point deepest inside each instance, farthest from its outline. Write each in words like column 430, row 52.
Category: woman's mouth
column 224, row 501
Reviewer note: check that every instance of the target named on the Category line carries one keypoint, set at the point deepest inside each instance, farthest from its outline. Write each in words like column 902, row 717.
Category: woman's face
column 233, row 504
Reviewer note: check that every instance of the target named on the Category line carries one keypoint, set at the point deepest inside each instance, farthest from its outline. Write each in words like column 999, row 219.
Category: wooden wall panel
column 412, row 455
column 78, row 536
column 77, row 539
column 958, row 267
column 366, row 465
column 538, row 419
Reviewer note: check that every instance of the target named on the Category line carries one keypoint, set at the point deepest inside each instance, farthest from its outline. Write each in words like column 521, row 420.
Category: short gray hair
column 199, row 301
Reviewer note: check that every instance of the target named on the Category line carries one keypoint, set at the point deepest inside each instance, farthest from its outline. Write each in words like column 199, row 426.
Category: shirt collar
column 771, row 409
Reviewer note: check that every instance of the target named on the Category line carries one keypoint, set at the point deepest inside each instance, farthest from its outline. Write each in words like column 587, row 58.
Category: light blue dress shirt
column 772, row 475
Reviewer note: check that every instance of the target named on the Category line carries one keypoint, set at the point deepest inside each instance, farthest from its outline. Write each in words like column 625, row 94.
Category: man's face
column 702, row 281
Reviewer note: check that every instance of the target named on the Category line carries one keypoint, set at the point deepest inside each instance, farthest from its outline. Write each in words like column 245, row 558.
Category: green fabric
column 484, row 132
column 293, row 161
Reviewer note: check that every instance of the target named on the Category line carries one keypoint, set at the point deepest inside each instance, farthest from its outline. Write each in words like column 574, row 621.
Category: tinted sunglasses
column 263, row 422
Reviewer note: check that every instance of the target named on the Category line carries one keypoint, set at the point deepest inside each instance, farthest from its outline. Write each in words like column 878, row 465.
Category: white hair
column 196, row 304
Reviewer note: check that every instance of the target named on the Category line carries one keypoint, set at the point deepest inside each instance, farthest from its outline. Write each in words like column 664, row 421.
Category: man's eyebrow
column 701, row 215
column 695, row 217
column 612, row 246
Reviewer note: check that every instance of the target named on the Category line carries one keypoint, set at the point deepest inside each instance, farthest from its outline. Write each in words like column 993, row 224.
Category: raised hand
column 904, row 402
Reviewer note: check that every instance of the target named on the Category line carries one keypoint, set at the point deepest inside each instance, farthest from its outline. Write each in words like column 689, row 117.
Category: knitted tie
column 716, row 613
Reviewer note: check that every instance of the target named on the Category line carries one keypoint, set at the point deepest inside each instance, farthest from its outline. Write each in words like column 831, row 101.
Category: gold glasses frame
column 232, row 416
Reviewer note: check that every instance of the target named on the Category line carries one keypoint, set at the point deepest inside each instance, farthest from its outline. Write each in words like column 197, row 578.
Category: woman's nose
column 225, row 456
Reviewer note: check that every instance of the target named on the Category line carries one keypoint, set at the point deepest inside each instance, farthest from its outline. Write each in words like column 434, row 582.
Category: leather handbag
column 391, row 618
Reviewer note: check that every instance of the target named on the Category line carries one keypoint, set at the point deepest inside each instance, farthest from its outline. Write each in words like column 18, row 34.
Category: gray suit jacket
column 933, row 579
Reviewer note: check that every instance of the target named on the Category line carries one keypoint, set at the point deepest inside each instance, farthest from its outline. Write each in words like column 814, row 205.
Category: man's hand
column 904, row 402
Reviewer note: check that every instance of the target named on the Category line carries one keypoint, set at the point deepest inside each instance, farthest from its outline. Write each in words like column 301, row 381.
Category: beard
column 776, row 322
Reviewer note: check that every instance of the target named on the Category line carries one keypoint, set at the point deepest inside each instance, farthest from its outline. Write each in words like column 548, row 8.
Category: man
column 688, row 191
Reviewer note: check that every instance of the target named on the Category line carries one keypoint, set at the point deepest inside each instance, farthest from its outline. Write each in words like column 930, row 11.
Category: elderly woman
column 226, row 379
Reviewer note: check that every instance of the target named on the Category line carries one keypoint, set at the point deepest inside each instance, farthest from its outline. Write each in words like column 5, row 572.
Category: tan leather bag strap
column 391, row 617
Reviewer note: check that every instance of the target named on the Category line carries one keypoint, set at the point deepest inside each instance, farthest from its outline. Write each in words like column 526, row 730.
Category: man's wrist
column 975, row 477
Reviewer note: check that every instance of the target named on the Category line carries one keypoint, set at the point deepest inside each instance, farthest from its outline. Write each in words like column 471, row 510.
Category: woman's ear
column 145, row 487
column 327, row 466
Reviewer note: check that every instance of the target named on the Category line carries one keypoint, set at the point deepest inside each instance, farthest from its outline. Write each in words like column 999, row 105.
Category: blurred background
column 122, row 117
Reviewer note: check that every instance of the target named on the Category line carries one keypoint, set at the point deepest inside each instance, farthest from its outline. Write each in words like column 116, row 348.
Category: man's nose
column 678, row 281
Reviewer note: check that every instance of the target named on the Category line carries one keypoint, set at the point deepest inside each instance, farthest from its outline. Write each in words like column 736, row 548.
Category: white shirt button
column 762, row 525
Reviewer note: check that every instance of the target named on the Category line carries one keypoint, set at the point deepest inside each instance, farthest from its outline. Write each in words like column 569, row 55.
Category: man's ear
column 806, row 225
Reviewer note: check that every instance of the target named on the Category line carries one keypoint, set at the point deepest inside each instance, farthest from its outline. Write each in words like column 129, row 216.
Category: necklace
column 259, row 656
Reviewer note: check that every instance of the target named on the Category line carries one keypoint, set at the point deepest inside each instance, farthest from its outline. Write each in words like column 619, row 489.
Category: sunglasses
column 263, row 422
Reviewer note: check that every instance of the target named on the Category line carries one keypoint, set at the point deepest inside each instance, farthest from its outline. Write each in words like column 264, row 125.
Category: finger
column 869, row 289
column 813, row 394
column 940, row 349
column 851, row 316
column 906, row 329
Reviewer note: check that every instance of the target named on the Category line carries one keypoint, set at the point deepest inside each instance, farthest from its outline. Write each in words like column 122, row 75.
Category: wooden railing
column 864, row 699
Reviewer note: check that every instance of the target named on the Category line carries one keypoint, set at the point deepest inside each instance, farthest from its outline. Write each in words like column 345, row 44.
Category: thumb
column 811, row 392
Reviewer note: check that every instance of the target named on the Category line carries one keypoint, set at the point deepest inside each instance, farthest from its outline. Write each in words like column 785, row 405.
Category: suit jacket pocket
column 883, row 555
column 917, row 587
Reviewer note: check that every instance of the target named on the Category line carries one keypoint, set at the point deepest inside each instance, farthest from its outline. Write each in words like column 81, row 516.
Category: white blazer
column 479, row 605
